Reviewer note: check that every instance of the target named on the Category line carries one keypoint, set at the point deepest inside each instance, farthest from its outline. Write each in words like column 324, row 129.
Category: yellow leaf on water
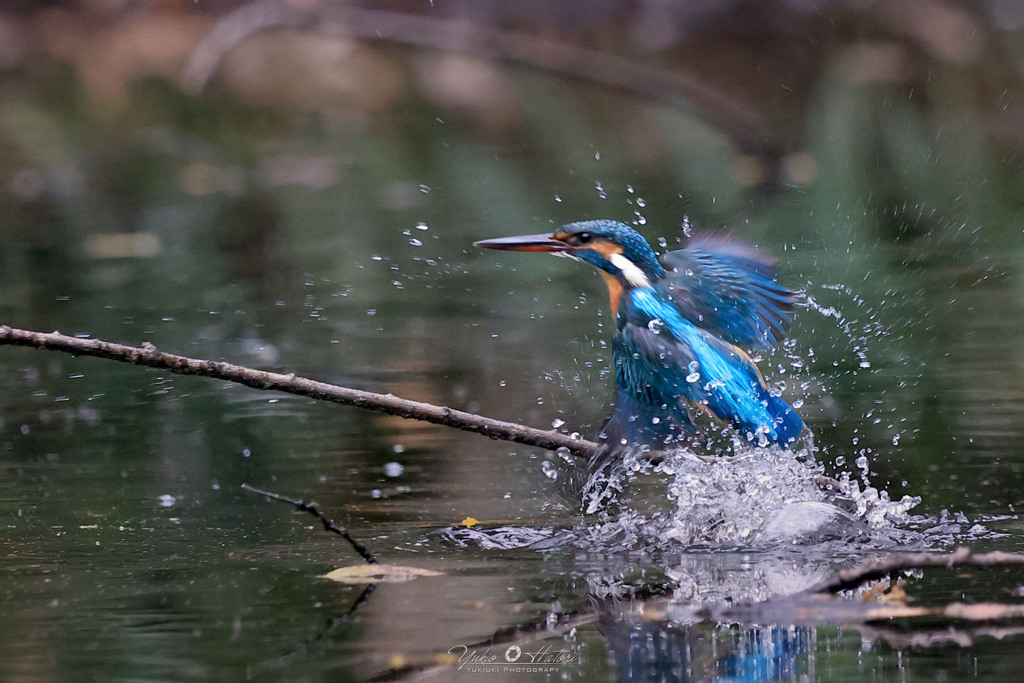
column 378, row 573
column 469, row 521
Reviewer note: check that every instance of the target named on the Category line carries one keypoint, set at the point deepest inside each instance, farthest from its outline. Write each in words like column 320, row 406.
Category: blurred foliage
column 283, row 173
column 296, row 185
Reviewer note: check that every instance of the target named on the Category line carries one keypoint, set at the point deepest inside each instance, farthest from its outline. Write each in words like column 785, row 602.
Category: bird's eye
column 583, row 237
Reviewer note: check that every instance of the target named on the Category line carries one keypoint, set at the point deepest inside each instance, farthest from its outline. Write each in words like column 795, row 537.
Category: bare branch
column 736, row 119
column 150, row 356
column 870, row 570
column 329, row 524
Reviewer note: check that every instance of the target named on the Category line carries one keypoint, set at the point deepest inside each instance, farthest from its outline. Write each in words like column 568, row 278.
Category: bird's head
column 615, row 248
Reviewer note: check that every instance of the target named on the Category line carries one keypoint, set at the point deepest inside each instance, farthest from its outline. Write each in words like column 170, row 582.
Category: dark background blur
column 296, row 185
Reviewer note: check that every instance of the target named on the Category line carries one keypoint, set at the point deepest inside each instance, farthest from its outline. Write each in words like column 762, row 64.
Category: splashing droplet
column 687, row 227
column 694, row 369
column 549, row 470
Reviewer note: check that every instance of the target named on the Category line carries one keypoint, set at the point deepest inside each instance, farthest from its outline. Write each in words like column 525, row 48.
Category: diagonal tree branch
column 739, row 121
column 149, row 355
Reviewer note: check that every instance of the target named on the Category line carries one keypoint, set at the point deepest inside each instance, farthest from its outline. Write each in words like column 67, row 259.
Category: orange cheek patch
column 606, row 249
column 614, row 290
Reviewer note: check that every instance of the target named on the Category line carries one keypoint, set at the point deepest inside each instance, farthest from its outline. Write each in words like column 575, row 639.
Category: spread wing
column 661, row 357
column 729, row 289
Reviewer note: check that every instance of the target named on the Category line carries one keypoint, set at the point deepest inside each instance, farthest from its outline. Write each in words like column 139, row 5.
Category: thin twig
column 150, row 356
column 312, row 509
column 870, row 570
column 331, row 625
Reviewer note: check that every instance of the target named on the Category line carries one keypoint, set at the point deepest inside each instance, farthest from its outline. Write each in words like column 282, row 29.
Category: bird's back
column 679, row 344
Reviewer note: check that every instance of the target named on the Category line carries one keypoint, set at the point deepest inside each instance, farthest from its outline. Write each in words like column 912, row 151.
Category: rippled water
column 313, row 211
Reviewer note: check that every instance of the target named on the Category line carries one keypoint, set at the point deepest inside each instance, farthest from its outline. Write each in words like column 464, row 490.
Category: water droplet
column 556, row 423
column 600, row 190
column 656, row 325
column 415, row 242
column 422, row 226
column 694, row 369
column 393, row 469
column 686, row 226
column 549, row 470
column 425, row 189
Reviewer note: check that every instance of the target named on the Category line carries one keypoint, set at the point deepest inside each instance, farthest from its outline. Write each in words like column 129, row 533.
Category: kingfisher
column 685, row 326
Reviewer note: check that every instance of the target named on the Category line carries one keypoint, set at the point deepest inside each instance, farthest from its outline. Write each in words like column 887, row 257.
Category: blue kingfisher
column 684, row 327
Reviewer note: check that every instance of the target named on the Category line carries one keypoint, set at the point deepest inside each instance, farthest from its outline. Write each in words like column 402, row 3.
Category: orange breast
column 614, row 290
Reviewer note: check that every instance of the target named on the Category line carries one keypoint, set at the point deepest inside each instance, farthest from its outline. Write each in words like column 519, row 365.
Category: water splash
column 753, row 498
column 756, row 497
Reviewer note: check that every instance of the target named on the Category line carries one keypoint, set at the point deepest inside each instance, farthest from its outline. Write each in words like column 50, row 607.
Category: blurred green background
column 296, row 186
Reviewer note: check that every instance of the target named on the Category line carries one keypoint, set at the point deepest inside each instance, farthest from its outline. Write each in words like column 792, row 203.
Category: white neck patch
column 630, row 271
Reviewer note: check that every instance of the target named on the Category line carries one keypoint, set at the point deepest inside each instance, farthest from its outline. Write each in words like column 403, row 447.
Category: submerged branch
column 150, row 356
column 871, row 570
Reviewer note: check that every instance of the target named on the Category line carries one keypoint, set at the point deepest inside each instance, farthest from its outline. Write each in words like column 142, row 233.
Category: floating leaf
column 378, row 573
column 469, row 521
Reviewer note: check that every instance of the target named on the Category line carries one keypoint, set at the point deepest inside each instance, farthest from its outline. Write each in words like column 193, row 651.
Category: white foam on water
column 754, row 497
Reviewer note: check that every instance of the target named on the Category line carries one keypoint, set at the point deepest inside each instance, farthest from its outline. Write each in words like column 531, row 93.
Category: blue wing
column 660, row 358
column 729, row 289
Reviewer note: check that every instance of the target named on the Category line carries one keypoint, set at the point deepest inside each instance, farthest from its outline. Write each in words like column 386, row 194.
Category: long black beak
column 543, row 242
